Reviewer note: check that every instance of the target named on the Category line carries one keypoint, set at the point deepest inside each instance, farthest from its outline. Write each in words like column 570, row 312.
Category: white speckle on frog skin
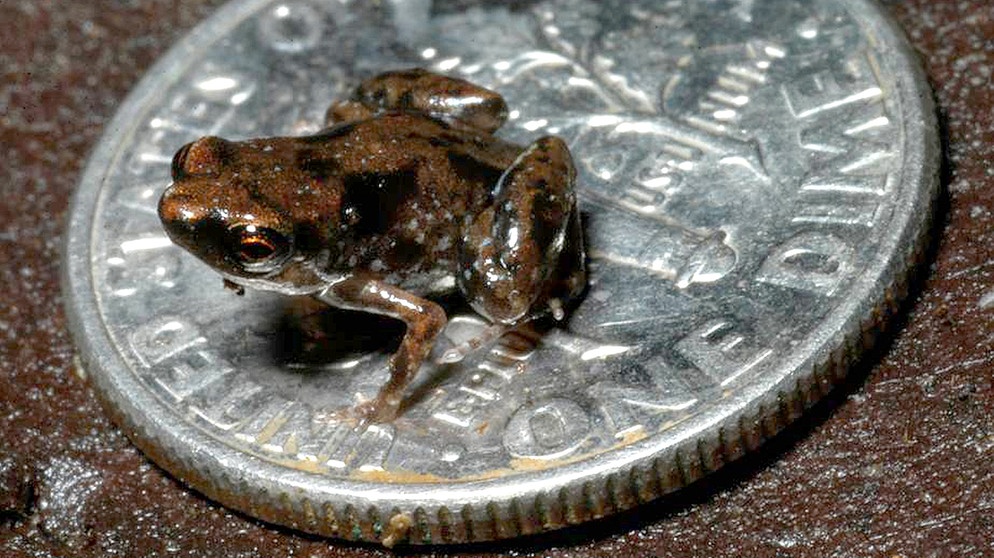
column 443, row 243
column 377, row 265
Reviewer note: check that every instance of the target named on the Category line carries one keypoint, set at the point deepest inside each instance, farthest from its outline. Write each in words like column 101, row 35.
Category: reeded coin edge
column 237, row 481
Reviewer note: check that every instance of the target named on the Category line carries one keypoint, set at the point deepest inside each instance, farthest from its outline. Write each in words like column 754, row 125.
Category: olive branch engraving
column 571, row 38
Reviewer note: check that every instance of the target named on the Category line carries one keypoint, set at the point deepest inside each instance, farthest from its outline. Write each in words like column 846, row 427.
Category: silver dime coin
column 756, row 179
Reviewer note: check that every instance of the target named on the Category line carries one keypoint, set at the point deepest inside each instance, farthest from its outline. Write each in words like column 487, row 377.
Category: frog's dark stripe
column 377, row 197
column 311, row 162
column 406, row 254
column 440, row 142
column 406, row 100
column 548, row 216
column 475, row 171
column 378, row 95
column 309, row 238
column 338, row 130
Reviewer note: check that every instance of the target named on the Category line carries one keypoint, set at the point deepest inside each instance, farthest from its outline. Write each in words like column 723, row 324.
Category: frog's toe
column 453, row 355
column 375, row 411
column 364, row 415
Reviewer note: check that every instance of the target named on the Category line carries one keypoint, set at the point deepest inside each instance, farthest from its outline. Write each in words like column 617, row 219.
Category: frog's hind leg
column 343, row 112
column 416, row 89
column 523, row 257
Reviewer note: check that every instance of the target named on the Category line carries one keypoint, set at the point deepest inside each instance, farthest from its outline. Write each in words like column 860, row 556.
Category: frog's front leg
column 424, row 319
column 419, row 90
column 523, row 256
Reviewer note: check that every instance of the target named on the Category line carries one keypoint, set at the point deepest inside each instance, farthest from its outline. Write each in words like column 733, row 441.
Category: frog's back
column 398, row 139
column 408, row 183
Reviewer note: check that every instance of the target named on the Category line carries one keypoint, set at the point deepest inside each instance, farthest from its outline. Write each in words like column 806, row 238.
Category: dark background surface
column 899, row 461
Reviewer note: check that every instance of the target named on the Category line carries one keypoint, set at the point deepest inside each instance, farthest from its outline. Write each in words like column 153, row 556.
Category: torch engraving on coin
column 754, row 180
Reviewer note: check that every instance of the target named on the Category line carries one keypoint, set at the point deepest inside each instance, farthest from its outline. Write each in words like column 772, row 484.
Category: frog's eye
column 258, row 249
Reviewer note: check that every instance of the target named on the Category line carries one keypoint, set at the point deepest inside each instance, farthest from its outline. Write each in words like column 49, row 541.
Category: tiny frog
column 406, row 194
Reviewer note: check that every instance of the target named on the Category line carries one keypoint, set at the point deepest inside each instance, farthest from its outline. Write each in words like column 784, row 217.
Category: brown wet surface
column 898, row 462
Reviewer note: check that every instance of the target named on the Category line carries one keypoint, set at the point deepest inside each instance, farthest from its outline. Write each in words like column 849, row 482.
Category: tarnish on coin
column 755, row 180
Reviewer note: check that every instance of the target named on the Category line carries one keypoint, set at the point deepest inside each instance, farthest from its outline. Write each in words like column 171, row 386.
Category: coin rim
column 527, row 502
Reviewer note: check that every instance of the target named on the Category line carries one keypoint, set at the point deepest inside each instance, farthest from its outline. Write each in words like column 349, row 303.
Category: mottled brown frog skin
column 406, row 194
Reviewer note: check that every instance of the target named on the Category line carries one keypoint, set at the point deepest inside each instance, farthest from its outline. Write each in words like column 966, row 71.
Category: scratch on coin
column 971, row 269
column 986, row 300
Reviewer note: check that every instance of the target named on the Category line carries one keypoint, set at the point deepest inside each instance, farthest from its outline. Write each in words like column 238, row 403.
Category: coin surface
column 756, row 179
